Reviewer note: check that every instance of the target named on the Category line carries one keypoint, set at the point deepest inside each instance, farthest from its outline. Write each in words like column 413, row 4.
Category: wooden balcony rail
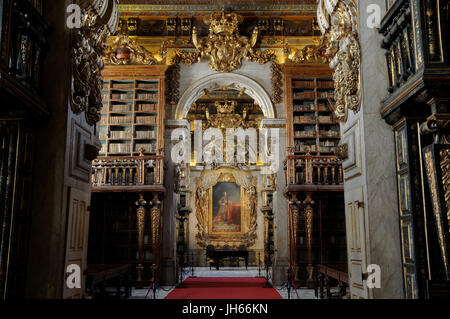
column 127, row 171
column 313, row 170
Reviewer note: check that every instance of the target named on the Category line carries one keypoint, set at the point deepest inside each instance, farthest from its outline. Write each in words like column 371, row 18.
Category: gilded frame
column 203, row 208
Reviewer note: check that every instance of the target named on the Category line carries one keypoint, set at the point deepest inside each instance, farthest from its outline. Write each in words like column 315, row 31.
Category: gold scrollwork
column 309, row 54
column 125, row 51
column 87, row 49
column 276, row 81
column 204, row 184
column 337, row 20
column 224, row 47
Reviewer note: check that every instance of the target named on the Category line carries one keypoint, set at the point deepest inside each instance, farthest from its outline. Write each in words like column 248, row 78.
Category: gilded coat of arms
column 224, row 47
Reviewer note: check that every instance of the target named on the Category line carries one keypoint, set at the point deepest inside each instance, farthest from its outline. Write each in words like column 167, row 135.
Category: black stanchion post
column 192, row 266
column 155, row 282
column 289, row 284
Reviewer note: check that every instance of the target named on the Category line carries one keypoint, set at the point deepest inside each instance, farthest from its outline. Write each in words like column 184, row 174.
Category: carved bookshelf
column 314, row 174
column 133, row 111
column 130, row 167
column 312, row 126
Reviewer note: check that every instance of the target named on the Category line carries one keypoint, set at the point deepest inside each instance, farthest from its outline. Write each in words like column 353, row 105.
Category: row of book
column 123, row 86
column 121, row 134
column 147, row 96
column 305, row 95
column 303, row 84
column 325, row 84
column 130, row 86
column 308, row 107
column 146, row 119
column 147, row 107
column 326, row 119
column 120, row 119
column 119, row 148
column 121, row 108
column 328, row 144
column 310, row 133
column 122, row 96
column 128, row 135
column 146, row 134
column 323, row 107
column 325, row 95
column 145, row 85
column 304, row 119
column 329, row 133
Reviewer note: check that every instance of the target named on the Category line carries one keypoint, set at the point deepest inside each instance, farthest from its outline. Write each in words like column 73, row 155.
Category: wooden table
column 99, row 274
column 328, row 273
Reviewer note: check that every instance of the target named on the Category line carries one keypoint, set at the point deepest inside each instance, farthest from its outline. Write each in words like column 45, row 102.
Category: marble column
column 281, row 221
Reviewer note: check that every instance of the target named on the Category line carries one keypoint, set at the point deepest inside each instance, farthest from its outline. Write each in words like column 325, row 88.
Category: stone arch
column 238, row 81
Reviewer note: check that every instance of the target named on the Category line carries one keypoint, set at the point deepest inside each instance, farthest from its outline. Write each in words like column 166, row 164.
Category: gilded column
column 156, row 226
column 293, row 227
column 140, row 214
column 309, row 214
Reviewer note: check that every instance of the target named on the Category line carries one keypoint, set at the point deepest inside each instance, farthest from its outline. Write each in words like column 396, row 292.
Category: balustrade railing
column 127, row 171
column 313, row 170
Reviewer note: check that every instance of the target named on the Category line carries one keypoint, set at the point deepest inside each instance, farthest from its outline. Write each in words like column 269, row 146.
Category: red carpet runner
column 224, row 288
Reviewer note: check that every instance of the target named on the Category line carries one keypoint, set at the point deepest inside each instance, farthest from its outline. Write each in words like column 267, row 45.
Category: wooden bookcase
column 133, row 110
column 312, row 169
column 312, row 126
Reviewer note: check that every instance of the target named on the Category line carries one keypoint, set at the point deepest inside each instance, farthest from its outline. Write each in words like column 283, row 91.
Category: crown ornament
column 221, row 22
column 225, row 107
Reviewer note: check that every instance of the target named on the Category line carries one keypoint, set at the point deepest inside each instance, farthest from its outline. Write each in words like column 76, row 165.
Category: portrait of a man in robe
column 226, row 210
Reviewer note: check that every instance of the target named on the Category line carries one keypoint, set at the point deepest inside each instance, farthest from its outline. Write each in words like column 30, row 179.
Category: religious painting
column 226, row 208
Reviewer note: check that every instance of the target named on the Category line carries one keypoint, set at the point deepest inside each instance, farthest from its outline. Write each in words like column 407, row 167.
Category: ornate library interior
column 286, row 149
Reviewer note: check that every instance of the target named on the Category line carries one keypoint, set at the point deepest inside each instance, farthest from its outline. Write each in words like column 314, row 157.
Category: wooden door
column 356, row 243
column 76, row 241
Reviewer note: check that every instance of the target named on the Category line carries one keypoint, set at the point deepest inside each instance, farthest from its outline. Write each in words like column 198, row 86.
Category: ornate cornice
column 99, row 20
column 188, row 8
column 338, row 23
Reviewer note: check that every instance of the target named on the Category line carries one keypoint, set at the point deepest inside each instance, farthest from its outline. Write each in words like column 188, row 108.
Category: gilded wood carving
column 88, row 46
column 338, row 23
column 224, row 47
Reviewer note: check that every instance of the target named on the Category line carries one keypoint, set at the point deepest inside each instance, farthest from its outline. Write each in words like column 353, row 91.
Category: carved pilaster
column 140, row 217
column 294, row 214
column 309, row 215
column 155, row 214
